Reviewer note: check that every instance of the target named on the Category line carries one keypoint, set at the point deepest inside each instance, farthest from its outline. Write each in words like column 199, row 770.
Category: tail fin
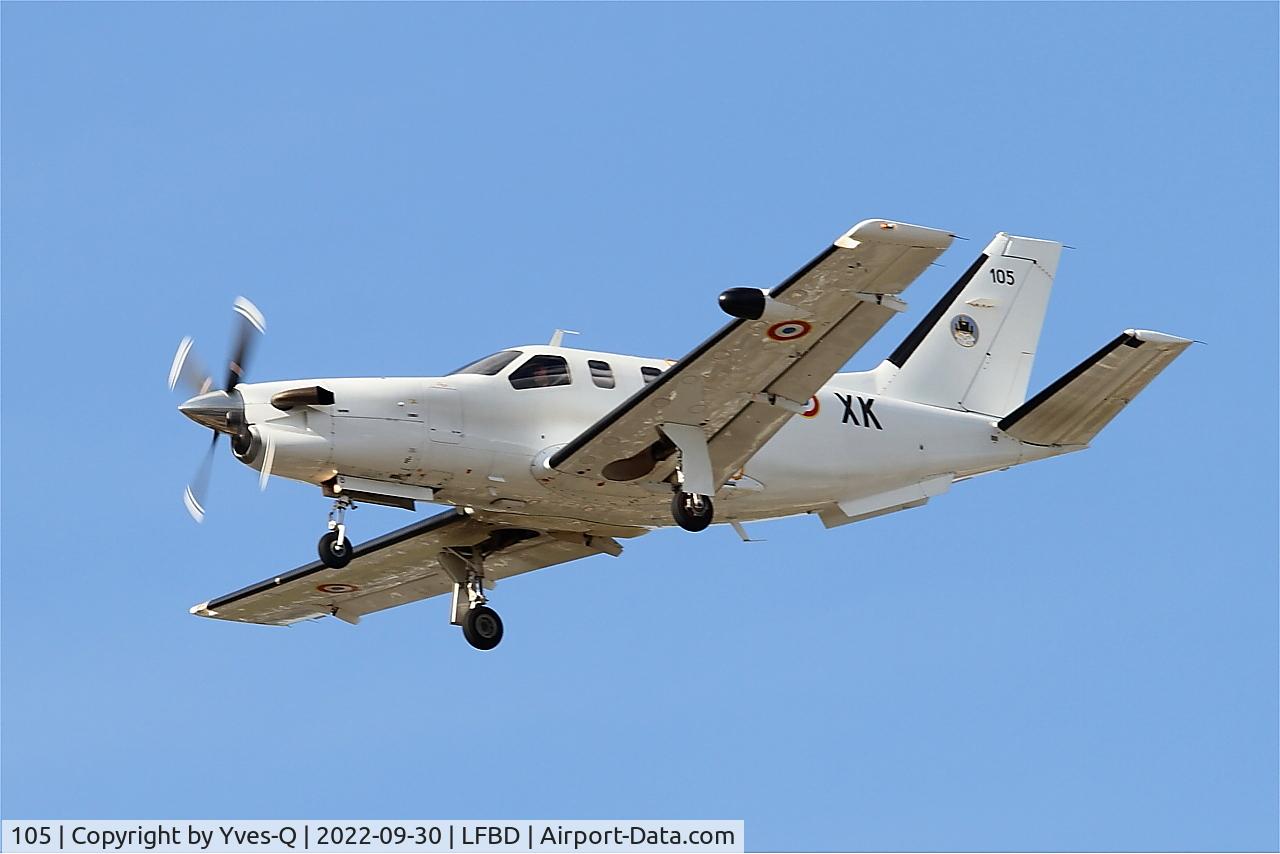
column 1072, row 410
column 973, row 351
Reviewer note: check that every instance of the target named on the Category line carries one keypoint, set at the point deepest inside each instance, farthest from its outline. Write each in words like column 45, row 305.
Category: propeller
column 223, row 410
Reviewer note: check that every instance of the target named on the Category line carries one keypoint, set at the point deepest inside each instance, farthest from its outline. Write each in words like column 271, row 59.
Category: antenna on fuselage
column 558, row 336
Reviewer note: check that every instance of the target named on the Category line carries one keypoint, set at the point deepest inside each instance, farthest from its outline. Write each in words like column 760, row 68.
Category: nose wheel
column 691, row 511
column 334, row 547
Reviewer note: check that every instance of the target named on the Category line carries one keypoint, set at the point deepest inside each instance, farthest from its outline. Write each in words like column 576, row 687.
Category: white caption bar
column 362, row 835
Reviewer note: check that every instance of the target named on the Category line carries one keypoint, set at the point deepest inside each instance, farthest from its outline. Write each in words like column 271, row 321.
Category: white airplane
column 549, row 453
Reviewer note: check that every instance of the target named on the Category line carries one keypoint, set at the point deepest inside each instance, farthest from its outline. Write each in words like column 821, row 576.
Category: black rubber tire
column 689, row 517
column 333, row 554
column 482, row 627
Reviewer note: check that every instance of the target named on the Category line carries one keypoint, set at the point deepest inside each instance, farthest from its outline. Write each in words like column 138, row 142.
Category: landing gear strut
column 334, row 547
column 691, row 511
column 481, row 625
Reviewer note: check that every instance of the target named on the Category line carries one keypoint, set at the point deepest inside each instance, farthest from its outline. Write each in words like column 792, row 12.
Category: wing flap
column 401, row 567
column 515, row 560
column 757, row 422
column 801, row 379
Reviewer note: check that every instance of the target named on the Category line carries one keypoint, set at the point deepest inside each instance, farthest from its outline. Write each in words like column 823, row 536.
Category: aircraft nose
column 216, row 410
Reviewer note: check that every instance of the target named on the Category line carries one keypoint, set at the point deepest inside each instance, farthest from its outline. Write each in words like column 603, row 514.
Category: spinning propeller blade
column 194, row 495
column 252, row 324
column 186, row 369
column 268, row 458
column 191, row 374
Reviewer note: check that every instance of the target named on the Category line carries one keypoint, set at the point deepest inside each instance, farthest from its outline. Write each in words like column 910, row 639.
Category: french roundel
column 788, row 330
column 337, row 588
column 814, row 406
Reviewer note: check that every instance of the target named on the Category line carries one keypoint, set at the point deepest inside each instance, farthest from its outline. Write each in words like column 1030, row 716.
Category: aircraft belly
column 854, row 448
column 862, row 446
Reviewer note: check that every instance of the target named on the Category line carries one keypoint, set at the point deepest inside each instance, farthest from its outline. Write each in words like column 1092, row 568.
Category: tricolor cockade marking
column 788, row 330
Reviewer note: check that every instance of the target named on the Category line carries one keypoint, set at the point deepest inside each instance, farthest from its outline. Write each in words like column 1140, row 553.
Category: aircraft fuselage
column 479, row 441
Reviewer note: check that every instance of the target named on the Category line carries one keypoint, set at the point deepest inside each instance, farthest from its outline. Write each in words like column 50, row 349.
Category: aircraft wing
column 403, row 566
column 742, row 384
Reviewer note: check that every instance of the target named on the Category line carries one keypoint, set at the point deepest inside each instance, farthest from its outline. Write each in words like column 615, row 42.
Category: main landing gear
column 481, row 625
column 694, row 478
column 334, row 547
column 691, row 511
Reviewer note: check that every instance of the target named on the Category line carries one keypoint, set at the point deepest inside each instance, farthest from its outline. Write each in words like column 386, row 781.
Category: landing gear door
column 444, row 414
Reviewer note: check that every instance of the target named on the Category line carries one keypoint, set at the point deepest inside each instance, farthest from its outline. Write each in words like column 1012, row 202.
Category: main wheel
column 692, row 512
column 482, row 627
column 334, row 554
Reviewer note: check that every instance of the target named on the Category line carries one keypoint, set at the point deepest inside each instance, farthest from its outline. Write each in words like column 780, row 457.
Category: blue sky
column 1080, row 654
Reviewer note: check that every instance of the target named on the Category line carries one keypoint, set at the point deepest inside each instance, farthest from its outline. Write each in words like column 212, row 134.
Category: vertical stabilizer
column 973, row 350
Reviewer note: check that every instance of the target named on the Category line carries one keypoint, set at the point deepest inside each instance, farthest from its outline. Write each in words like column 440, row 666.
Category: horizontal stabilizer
column 1075, row 408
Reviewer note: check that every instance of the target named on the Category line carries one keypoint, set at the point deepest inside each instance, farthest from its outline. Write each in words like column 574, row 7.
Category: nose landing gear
column 334, row 547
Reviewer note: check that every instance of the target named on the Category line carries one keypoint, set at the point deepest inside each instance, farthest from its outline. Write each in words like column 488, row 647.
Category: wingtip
column 889, row 231
column 202, row 610
column 1154, row 337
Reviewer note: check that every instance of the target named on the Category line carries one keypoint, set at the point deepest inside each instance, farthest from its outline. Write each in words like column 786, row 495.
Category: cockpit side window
column 601, row 373
column 650, row 374
column 541, row 372
column 489, row 365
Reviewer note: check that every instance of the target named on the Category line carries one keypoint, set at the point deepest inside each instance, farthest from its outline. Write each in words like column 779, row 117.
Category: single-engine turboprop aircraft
column 549, row 453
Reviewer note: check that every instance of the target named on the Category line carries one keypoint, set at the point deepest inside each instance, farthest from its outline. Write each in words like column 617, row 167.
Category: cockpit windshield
column 489, row 365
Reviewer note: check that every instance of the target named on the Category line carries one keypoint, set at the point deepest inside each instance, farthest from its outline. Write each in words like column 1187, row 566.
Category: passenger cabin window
column 541, row 372
column 650, row 374
column 489, row 365
column 601, row 373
